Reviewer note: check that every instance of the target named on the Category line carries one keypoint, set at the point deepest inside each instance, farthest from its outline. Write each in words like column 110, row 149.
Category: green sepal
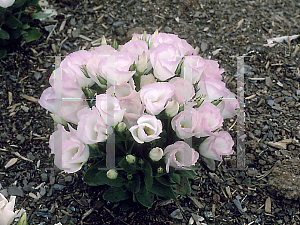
column 116, row 194
column 23, row 219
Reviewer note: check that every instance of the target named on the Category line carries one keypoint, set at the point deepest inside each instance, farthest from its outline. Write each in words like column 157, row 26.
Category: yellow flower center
column 147, row 130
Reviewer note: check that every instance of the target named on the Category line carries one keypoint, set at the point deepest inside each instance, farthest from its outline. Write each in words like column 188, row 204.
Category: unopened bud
column 144, row 37
column 141, row 65
column 160, row 170
column 172, row 108
column 58, row 119
column 134, row 38
column 196, row 51
column 130, row 159
column 112, row 174
column 147, row 79
column 121, row 127
column 153, row 36
column 156, row 154
column 129, row 176
column 103, row 41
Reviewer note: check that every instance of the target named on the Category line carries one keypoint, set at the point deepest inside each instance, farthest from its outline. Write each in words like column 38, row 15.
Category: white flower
column 147, row 130
column 7, row 213
column 6, row 3
column 112, row 174
column 130, row 159
column 109, row 109
column 156, row 96
column 156, row 154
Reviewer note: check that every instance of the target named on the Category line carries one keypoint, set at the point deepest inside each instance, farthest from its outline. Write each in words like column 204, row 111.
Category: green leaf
column 134, row 184
column 187, row 173
column 175, row 177
column 129, row 168
column 23, row 219
column 96, row 153
column 90, row 175
column 184, row 187
column 3, row 52
column 148, row 179
column 165, row 180
column 32, row 35
column 15, row 34
column 145, row 197
column 18, row 3
column 162, row 190
column 40, row 15
column 13, row 22
column 25, row 26
column 4, row 34
column 116, row 194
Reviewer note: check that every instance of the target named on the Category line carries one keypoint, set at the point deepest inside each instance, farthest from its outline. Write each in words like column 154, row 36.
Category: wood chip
column 9, row 98
column 62, row 26
column 22, row 157
column 227, row 189
column 33, row 196
column 84, row 37
column 296, row 50
column 11, row 162
column 268, row 205
column 240, row 23
column 277, row 145
column 196, row 202
column 97, row 7
column 87, row 213
column 29, row 98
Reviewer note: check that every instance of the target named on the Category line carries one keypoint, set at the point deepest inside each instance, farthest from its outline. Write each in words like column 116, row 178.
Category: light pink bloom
column 65, row 83
column 180, row 155
column 212, row 69
column 94, row 63
column 7, row 213
column 164, row 60
column 172, row 39
column 109, row 109
column 116, row 68
column 91, row 127
column 187, row 123
column 192, row 68
column 228, row 105
column 69, row 107
column 211, row 118
column 155, row 96
column 135, row 48
column 184, row 90
column 211, row 87
column 72, row 65
column 70, row 152
column 217, row 144
column 147, row 129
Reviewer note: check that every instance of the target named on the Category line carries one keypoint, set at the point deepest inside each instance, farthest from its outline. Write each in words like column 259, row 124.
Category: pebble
column 176, row 214
column 120, row 31
column 168, row 29
column 238, row 205
column 262, row 162
column 209, row 215
column 44, row 177
column 37, row 75
column 265, row 128
column 257, row 133
column 275, row 115
column 118, row 23
column 43, row 191
column 27, row 188
column 58, row 187
column 68, row 179
column 109, row 20
column 4, row 192
column 16, row 191
column 270, row 102
column 204, row 46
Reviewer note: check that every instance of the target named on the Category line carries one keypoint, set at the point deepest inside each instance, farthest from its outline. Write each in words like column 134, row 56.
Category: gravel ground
column 267, row 191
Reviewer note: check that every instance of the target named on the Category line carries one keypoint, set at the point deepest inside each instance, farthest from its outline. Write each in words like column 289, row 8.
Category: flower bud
column 153, row 36
column 112, row 174
column 156, row 154
column 160, row 170
column 130, row 159
column 147, row 79
column 134, row 38
column 103, row 41
column 58, row 119
column 121, row 127
column 141, row 65
column 196, row 52
column 172, row 108
column 129, row 176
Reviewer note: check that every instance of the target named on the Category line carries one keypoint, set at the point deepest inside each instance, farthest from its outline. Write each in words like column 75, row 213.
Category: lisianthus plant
column 15, row 18
column 153, row 102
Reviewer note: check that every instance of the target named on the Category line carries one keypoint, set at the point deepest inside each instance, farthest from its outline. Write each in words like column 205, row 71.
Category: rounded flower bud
column 156, row 154
column 121, row 127
column 172, row 108
column 112, row 174
column 160, row 170
column 130, row 159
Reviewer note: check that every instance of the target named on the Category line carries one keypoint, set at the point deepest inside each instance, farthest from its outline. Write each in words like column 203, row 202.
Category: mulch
column 267, row 191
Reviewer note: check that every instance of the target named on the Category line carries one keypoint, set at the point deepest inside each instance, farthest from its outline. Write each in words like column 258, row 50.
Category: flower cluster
column 152, row 96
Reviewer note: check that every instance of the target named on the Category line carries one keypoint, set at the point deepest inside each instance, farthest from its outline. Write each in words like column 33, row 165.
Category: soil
column 267, row 191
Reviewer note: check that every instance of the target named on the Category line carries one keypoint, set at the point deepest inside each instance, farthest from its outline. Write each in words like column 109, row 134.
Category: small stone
column 72, row 21
column 269, row 82
column 43, row 191
column 257, row 133
column 109, row 20
column 240, row 177
column 37, row 75
column 16, row 191
column 118, row 23
column 27, row 188
column 64, row 219
column 270, row 102
column 262, row 162
column 209, row 215
column 238, row 205
column 204, row 46
column 265, row 128
column 44, row 177
column 4, row 192
column 120, row 31
column 168, row 29
column 252, row 172
column 68, row 179
column 58, row 187
column 216, row 198
column 176, row 214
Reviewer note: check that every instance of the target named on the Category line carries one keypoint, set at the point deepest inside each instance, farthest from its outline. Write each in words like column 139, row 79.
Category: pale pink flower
column 184, row 90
